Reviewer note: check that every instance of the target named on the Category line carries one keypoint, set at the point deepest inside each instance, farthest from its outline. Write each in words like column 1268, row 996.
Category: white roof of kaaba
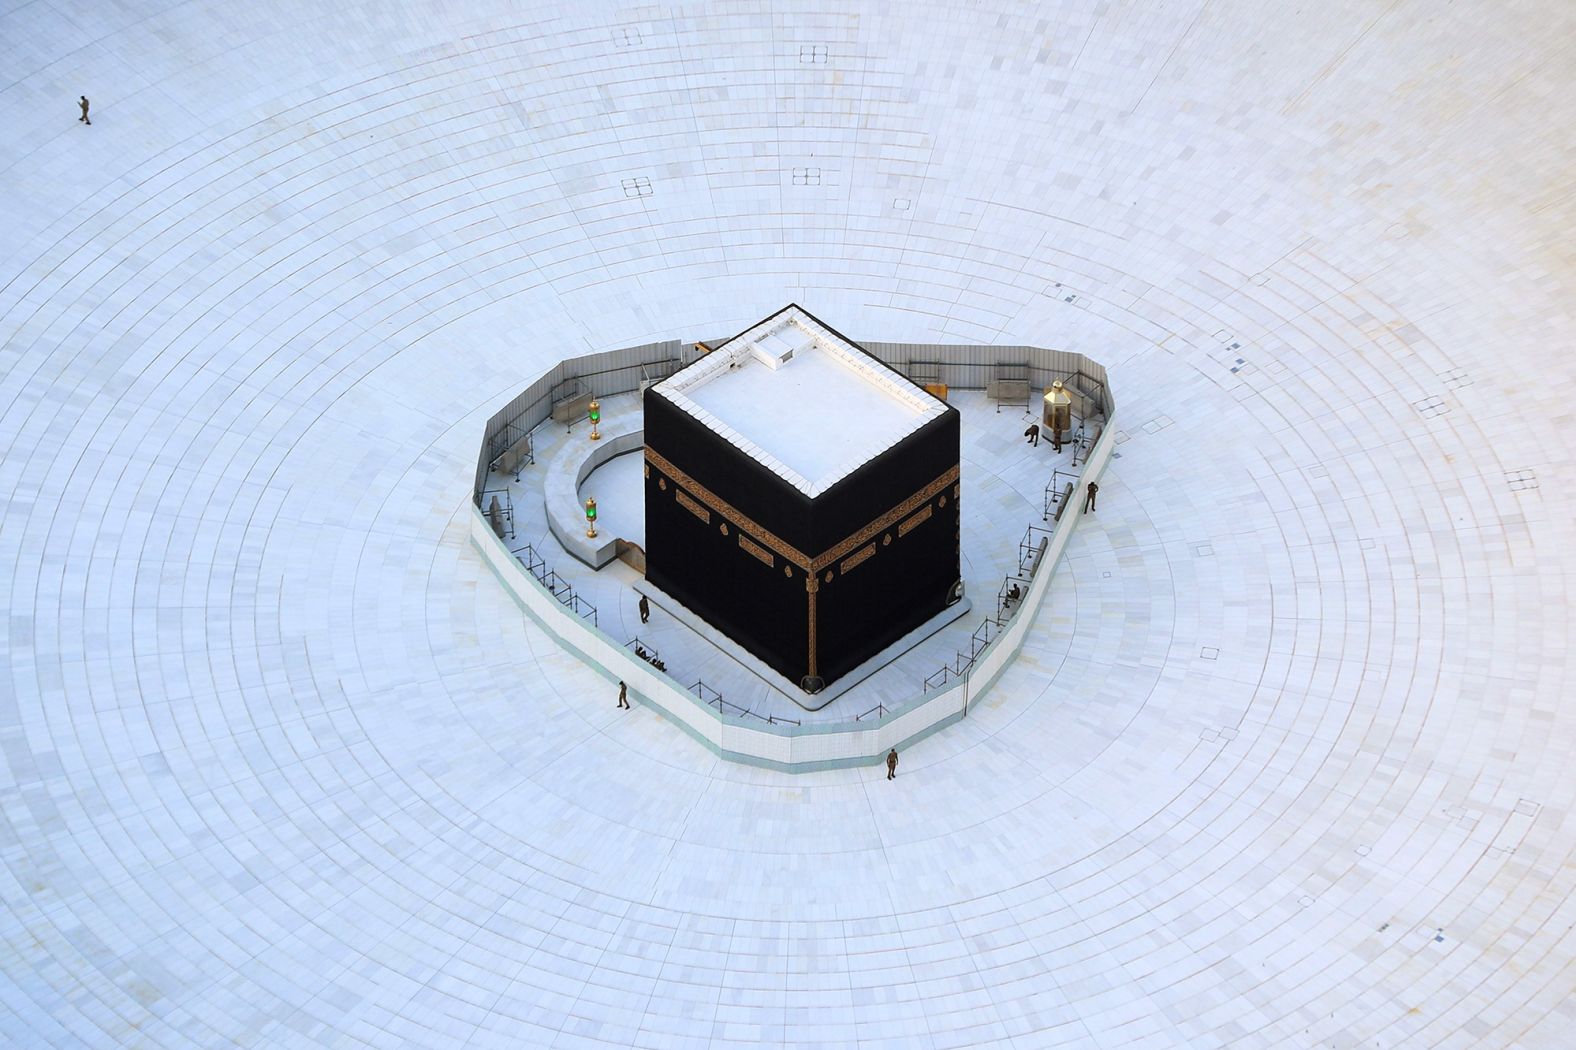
column 800, row 399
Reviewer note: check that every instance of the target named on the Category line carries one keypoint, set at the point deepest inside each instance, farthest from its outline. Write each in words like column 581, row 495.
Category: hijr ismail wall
column 810, row 585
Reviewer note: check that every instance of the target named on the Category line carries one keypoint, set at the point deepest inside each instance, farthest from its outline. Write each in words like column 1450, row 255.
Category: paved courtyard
column 1287, row 761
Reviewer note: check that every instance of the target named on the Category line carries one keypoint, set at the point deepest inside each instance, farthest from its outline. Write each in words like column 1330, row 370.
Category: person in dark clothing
column 892, row 764
column 83, row 119
column 1089, row 497
column 645, row 608
column 623, row 695
column 1033, row 434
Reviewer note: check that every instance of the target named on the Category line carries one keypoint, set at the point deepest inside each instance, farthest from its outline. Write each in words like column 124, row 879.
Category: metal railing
column 582, row 608
column 561, row 589
column 500, row 512
column 711, row 698
column 516, row 457
column 558, row 587
column 1009, row 596
column 1056, row 490
column 597, row 375
column 1029, row 549
column 646, row 653
column 534, row 563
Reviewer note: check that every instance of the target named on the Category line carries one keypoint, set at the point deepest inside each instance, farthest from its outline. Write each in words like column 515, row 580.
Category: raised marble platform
column 775, row 682
column 1002, row 477
column 566, row 469
column 746, row 736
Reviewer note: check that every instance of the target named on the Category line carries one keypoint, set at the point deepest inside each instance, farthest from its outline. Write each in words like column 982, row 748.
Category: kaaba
column 801, row 497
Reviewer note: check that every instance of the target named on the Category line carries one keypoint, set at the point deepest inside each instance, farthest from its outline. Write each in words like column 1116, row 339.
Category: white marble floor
column 1290, row 764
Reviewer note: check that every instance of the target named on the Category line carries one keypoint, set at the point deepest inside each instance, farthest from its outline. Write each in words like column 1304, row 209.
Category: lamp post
column 594, row 413
column 591, row 518
column 1058, row 412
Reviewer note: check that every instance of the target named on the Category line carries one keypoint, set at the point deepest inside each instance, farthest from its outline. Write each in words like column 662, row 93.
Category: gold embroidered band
column 810, row 604
column 694, row 508
column 866, row 552
column 771, row 541
column 910, row 524
column 902, row 510
column 761, row 535
column 751, row 547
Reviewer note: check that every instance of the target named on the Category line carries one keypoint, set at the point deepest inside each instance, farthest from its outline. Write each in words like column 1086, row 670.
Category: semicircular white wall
column 1285, row 762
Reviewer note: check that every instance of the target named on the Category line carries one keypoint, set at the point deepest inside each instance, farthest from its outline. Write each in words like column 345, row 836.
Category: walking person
column 83, row 119
column 645, row 608
column 623, row 695
column 1089, row 497
column 892, row 764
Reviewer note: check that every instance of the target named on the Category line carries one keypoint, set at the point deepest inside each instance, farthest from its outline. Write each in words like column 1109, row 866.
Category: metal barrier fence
column 592, row 375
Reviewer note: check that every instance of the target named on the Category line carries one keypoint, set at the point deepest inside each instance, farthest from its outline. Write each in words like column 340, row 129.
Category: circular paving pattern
column 1286, row 761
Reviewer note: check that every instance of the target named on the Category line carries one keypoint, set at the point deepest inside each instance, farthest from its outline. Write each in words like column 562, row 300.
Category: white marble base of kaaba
column 779, row 685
